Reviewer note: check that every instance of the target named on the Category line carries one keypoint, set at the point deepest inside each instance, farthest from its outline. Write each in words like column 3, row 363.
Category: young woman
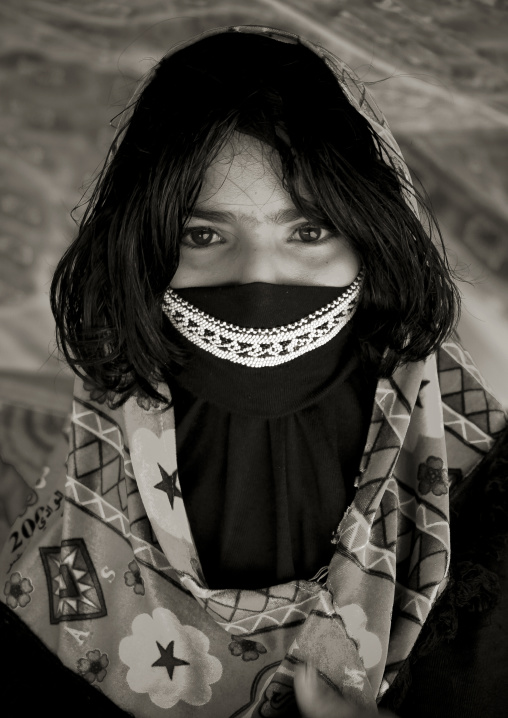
column 272, row 421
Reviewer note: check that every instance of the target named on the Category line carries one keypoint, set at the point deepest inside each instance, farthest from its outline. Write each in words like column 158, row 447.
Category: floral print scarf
column 102, row 565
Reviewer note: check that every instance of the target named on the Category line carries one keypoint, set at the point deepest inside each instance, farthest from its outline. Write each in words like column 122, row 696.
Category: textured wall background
column 68, row 66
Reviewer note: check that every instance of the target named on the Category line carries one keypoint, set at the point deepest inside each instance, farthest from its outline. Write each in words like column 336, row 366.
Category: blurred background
column 439, row 70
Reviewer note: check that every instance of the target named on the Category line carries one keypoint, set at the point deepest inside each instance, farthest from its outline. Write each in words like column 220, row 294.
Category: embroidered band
column 261, row 347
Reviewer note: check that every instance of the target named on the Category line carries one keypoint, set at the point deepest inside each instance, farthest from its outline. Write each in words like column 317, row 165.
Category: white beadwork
column 261, row 347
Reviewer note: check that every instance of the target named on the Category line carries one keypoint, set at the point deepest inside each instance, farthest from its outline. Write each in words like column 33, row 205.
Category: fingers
column 317, row 700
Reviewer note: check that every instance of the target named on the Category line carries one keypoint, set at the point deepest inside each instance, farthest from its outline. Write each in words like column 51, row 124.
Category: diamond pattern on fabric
column 413, row 606
column 427, row 552
column 277, row 614
column 395, row 408
column 231, row 605
column 384, row 528
column 98, row 465
column 382, row 443
column 475, row 402
column 389, row 422
column 100, row 461
column 464, row 391
column 355, row 544
column 83, row 497
column 98, row 423
column 368, row 535
column 367, row 494
column 468, row 432
column 424, row 515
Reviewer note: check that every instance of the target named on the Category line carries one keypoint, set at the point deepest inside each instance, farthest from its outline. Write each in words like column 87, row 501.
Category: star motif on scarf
column 168, row 485
column 167, row 659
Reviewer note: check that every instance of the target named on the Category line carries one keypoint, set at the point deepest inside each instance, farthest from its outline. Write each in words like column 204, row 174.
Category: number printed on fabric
column 38, row 521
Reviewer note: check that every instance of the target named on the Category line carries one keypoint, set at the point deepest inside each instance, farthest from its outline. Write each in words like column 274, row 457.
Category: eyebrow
column 283, row 216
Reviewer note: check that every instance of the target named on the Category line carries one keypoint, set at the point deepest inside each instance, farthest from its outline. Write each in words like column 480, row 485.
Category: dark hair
column 107, row 289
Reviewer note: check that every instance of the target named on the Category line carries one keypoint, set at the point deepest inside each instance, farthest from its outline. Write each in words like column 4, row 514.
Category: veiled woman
column 273, row 420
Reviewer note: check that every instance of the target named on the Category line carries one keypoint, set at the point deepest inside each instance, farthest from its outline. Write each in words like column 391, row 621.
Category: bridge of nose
column 257, row 261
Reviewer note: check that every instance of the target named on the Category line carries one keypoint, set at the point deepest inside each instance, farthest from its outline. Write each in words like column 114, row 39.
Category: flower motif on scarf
column 145, row 402
column 133, row 578
column 18, row 590
column 369, row 645
column 432, row 476
column 168, row 660
column 93, row 667
column 279, row 697
column 98, row 395
column 248, row 650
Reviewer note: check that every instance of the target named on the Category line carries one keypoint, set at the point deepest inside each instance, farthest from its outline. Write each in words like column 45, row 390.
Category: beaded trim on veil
column 261, row 347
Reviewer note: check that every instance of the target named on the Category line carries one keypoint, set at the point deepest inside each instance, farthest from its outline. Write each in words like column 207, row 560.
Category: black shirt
column 268, row 456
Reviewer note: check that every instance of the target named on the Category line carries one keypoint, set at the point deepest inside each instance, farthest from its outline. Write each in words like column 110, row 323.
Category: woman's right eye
column 201, row 237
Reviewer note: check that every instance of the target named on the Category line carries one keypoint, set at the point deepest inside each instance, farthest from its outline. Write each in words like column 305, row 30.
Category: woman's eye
column 310, row 234
column 201, row 237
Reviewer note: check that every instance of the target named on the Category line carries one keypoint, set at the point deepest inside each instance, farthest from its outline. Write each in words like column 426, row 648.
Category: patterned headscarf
column 104, row 569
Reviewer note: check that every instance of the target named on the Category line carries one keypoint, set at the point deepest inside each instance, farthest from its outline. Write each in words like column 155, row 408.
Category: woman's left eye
column 310, row 233
column 201, row 237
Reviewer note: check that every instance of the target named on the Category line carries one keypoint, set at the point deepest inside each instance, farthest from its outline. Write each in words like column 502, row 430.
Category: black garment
column 268, row 456
column 35, row 682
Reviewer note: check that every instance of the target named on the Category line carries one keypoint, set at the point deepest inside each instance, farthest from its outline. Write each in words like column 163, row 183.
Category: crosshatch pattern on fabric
column 111, row 579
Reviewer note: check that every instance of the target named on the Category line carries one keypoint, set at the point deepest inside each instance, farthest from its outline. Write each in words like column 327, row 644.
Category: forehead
column 246, row 172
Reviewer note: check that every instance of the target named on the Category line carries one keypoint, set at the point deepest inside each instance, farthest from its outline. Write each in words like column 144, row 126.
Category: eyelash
column 214, row 231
